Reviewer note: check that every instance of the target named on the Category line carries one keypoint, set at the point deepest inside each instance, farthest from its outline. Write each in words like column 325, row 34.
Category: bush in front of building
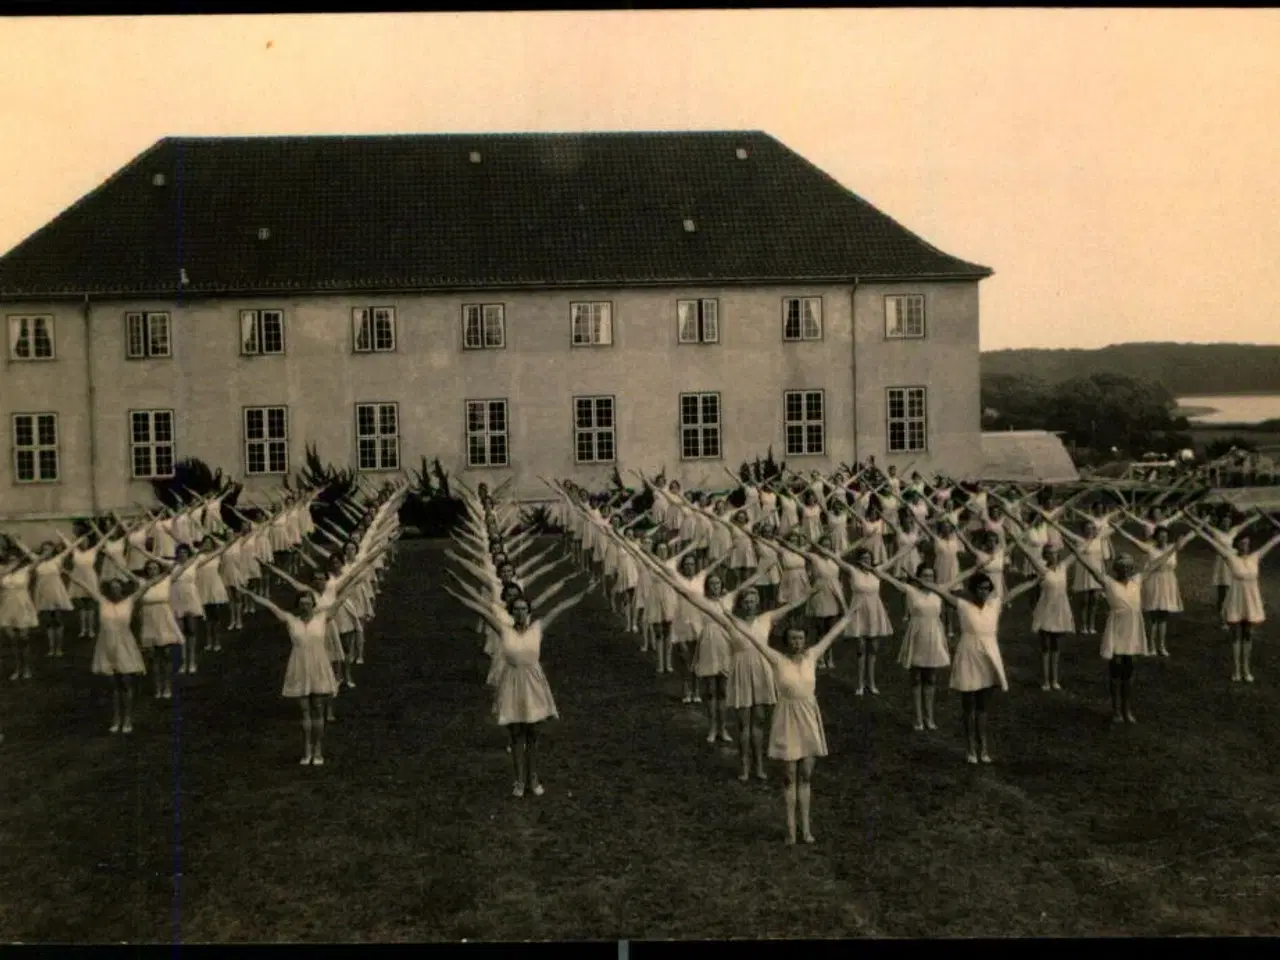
column 430, row 510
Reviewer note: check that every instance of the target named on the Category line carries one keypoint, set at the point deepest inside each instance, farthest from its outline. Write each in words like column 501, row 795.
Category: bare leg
column 759, row 717
column 127, row 685
column 980, row 723
column 305, row 704
column 531, row 758
column 1246, row 650
column 320, row 708
column 917, row 696
column 1117, row 706
column 1237, row 654
column 1046, row 682
column 744, row 742
column 117, row 704
column 873, row 647
column 516, row 732
column 789, row 799
column 970, row 732
column 1126, row 688
column 805, row 771
column 930, row 689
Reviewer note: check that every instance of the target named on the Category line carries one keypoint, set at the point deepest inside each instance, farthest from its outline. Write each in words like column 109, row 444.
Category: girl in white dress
column 308, row 676
column 212, row 590
column 873, row 533
column 1243, row 608
column 827, row 603
column 946, row 565
column 18, row 616
column 868, row 621
column 811, row 520
column 793, row 565
column 49, row 592
column 1083, row 583
column 1225, row 534
column 1051, row 619
column 769, row 563
column 924, row 645
column 976, row 666
column 1161, row 597
column 524, row 696
column 116, row 653
column 743, row 561
column 159, row 631
column 84, row 569
column 796, row 735
column 714, row 656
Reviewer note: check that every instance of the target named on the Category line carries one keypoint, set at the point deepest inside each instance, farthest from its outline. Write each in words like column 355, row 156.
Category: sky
column 1117, row 169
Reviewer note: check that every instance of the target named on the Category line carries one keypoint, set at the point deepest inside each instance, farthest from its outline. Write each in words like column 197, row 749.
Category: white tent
column 1026, row 456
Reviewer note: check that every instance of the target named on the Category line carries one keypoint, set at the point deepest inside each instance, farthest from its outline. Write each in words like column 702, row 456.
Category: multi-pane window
column 483, row 326
column 907, row 419
column 261, row 332
column 31, row 338
column 487, row 444
column 805, row 423
column 377, row 436
column 592, row 324
column 904, row 317
column 802, row 318
column 699, row 321
column 147, row 335
column 151, row 443
column 699, row 426
column 266, row 440
column 593, row 429
column 373, row 329
column 35, row 447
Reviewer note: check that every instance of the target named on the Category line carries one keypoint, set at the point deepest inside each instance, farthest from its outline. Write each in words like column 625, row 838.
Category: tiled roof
column 417, row 213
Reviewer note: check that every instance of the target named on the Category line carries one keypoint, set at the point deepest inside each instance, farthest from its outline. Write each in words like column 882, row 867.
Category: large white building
column 516, row 305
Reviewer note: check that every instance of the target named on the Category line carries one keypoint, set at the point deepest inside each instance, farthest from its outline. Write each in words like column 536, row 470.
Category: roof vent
column 157, row 180
column 742, row 153
column 264, row 233
column 475, row 156
column 689, row 226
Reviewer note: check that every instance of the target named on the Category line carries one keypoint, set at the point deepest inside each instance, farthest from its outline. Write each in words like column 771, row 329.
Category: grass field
column 202, row 827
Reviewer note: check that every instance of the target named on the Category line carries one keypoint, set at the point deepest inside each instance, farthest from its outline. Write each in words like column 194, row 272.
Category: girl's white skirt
column 1221, row 572
column 159, row 627
column 17, row 612
column 116, row 652
column 524, row 695
column 750, row 681
column 1160, row 593
column 908, row 563
column 870, row 619
column 824, row 603
column 713, row 656
column 1082, row 580
column 1244, row 603
column 232, row 571
column 685, row 628
column 946, row 566
column 924, row 645
column 663, row 604
column 797, row 732
column 333, row 644
column 794, row 585
column 743, row 555
column 185, row 599
column 50, row 593
column 77, row 592
column 972, row 668
column 309, row 673
column 209, row 583
column 1053, row 613
column 1124, row 636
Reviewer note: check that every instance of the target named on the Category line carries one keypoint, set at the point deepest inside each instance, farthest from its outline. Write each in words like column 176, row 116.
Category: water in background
column 1245, row 408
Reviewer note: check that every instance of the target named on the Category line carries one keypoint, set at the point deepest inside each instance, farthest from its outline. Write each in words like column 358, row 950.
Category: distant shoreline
column 1195, row 411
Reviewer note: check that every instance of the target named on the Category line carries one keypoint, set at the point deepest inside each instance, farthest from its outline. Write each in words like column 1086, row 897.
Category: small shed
column 1026, row 456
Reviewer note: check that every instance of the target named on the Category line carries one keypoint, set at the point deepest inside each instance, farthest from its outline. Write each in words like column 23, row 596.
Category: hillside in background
column 1185, row 369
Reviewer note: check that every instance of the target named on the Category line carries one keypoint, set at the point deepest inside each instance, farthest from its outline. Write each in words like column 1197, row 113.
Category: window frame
column 903, row 298
column 372, row 316
column 906, row 419
column 145, row 317
column 573, row 318
column 700, row 304
column 36, row 447
column 259, row 328
column 266, row 440
column 378, row 436
column 804, row 423
column 484, row 309
column 153, row 444
column 487, row 433
column 821, row 319
column 14, row 321
column 701, row 425
column 595, row 430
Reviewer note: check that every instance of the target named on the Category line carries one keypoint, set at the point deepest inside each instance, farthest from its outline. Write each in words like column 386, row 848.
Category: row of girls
column 712, row 584
column 157, row 593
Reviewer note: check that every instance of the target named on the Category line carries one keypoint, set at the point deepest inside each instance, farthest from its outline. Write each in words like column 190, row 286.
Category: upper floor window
column 908, row 420
column 699, row 321
column 31, row 337
column 592, row 324
column 802, row 318
column 261, row 332
column 700, row 426
column 487, row 433
column 593, row 427
column 373, row 329
column 805, row 423
column 904, row 317
column 483, row 326
column 147, row 335
column 266, row 440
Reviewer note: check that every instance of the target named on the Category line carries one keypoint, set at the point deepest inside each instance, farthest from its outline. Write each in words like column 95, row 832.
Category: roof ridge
column 465, row 135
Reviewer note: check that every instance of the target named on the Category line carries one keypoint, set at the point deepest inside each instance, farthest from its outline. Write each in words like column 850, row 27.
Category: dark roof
column 415, row 213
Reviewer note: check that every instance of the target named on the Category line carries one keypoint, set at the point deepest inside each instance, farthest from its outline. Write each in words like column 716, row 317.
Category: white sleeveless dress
column 924, row 645
column 116, row 651
column 523, row 694
column 308, row 672
column 751, row 682
column 796, row 732
column 977, row 664
column 1125, row 634
column 1052, row 612
column 1244, row 599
